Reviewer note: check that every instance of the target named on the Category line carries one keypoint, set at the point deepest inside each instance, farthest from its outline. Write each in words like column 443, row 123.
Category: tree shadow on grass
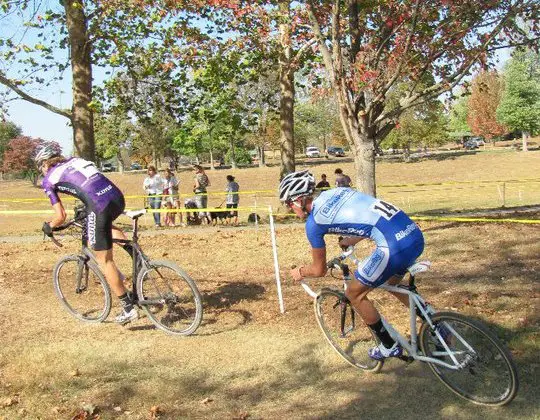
column 232, row 293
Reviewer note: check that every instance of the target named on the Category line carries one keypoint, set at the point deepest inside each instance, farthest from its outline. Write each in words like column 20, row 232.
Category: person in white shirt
column 153, row 186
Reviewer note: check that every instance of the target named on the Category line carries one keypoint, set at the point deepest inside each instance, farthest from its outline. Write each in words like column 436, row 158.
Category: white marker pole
column 276, row 264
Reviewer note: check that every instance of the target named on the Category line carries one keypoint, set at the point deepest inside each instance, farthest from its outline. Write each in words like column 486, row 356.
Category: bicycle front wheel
column 82, row 289
column 345, row 330
column 170, row 298
column 487, row 374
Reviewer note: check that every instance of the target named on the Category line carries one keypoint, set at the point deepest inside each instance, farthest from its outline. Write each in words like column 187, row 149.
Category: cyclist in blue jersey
column 103, row 201
column 356, row 216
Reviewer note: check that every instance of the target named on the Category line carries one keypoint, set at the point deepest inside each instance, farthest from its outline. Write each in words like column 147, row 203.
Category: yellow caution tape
column 475, row 219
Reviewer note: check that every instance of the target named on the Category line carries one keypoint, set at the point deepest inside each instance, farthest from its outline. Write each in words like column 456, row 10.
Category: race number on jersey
column 384, row 209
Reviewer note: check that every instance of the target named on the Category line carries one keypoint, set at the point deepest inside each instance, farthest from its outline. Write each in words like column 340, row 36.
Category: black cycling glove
column 47, row 229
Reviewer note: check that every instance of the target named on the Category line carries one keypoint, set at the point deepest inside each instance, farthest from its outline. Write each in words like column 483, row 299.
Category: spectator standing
column 200, row 183
column 342, row 180
column 323, row 183
column 232, row 198
column 153, row 186
column 172, row 199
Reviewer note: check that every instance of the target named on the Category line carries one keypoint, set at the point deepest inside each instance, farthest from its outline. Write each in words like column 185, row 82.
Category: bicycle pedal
column 406, row 359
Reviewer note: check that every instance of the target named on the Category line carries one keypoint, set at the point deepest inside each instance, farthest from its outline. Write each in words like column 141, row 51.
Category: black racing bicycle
column 167, row 294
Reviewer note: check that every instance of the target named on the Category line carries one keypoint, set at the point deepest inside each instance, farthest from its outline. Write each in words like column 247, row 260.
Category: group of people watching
column 163, row 192
column 342, row 180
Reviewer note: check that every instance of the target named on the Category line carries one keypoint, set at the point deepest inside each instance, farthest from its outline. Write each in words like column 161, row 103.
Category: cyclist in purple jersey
column 344, row 211
column 103, row 201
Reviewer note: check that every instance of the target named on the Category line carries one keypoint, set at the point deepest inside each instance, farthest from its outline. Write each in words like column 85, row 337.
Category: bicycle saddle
column 135, row 214
column 419, row 267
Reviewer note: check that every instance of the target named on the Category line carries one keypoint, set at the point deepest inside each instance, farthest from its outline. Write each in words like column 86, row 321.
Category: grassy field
column 460, row 174
column 247, row 360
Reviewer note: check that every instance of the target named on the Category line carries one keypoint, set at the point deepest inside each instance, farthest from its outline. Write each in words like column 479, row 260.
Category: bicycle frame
column 138, row 255
column 415, row 301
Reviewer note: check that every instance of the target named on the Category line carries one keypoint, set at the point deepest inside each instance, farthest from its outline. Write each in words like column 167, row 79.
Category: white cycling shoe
column 380, row 352
column 126, row 317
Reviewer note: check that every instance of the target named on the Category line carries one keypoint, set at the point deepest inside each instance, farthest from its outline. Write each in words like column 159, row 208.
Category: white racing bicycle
column 460, row 351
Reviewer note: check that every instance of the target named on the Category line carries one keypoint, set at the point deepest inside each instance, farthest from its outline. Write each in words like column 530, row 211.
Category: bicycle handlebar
column 333, row 263
column 63, row 226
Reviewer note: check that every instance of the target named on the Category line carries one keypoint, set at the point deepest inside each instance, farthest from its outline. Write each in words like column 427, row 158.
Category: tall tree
column 19, row 156
column 520, row 105
column 8, row 131
column 369, row 47
column 486, row 92
column 459, row 111
column 51, row 38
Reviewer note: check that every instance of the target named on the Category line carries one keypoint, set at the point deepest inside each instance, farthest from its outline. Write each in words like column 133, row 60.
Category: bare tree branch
column 10, row 84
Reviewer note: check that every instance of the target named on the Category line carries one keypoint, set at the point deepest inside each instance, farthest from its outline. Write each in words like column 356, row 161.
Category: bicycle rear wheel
column 82, row 289
column 488, row 375
column 170, row 298
column 345, row 330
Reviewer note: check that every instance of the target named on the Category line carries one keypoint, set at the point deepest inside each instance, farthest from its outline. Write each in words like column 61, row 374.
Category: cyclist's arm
column 59, row 215
column 317, row 268
column 350, row 240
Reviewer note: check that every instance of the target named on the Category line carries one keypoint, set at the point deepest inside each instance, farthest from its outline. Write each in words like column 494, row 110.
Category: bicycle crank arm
column 406, row 359
column 151, row 302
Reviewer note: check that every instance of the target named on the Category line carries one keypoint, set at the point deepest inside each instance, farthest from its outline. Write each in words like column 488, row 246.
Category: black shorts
column 99, row 224
column 233, row 206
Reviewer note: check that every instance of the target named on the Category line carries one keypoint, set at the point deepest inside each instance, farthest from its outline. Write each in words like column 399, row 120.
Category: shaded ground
column 247, row 359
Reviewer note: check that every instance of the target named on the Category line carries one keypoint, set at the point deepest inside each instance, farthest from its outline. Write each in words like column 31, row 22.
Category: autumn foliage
column 19, row 154
column 487, row 88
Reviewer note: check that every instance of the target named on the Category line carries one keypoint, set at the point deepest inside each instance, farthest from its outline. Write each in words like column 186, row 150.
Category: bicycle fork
column 82, row 270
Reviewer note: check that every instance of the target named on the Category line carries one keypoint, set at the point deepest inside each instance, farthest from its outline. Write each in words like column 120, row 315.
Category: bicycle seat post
column 135, row 226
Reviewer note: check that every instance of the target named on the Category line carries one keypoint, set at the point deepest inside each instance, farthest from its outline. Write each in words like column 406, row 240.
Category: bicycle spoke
column 485, row 375
column 180, row 308
column 337, row 321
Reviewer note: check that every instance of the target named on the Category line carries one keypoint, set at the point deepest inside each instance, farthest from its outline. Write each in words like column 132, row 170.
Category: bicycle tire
column 330, row 306
column 474, row 378
column 182, row 300
column 88, row 304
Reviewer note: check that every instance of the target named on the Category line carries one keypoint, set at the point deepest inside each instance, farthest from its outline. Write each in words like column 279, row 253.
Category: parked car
column 335, row 151
column 135, row 167
column 470, row 144
column 107, row 167
column 312, row 151
column 479, row 141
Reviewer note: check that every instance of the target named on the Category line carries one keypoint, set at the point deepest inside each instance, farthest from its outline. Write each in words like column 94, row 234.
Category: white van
column 312, row 152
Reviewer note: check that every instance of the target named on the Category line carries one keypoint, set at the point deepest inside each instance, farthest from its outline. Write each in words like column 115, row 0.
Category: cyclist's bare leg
column 118, row 233
column 403, row 298
column 357, row 294
column 109, row 268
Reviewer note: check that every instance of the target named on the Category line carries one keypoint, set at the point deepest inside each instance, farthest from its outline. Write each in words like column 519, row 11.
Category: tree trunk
column 286, row 85
column 81, row 66
column 233, row 155
column 524, row 138
column 262, row 158
column 364, row 163
column 211, row 159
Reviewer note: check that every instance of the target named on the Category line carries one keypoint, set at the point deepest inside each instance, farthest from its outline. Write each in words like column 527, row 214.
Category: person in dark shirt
column 323, row 183
column 342, row 180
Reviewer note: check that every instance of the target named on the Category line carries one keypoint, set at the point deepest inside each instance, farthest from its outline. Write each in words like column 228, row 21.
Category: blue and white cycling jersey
column 344, row 211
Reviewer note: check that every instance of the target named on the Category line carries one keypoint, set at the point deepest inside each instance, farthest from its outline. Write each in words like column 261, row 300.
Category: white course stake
column 276, row 264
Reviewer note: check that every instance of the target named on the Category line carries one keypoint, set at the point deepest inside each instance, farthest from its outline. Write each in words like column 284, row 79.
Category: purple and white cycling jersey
column 81, row 179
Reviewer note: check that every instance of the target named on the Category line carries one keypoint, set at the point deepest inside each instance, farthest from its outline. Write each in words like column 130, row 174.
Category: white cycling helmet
column 47, row 151
column 295, row 185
